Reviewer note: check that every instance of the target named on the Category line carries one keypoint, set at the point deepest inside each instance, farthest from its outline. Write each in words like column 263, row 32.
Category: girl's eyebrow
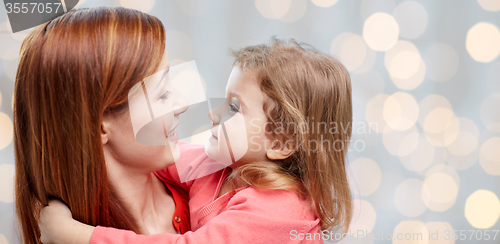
column 238, row 97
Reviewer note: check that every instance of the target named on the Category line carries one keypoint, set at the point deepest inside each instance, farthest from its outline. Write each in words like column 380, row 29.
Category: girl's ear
column 280, row 150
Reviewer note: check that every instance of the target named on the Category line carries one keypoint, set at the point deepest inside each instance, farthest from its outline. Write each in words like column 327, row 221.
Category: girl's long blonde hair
column 310, row 92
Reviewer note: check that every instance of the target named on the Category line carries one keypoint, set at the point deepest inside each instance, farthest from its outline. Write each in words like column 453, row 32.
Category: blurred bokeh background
column 425, row 155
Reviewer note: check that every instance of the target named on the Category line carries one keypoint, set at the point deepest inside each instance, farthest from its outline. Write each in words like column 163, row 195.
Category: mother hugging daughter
column 74, row 141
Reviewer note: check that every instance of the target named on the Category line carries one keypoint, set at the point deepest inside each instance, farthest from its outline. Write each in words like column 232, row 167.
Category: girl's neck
column 145, row 197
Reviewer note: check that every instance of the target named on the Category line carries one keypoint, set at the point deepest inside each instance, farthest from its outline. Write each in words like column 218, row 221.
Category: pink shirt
column 246, row 215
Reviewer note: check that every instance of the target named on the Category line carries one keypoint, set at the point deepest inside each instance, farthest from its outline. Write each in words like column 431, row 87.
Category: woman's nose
column 181, row 105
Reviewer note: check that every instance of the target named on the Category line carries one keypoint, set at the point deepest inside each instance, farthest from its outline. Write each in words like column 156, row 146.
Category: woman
column 73, row 134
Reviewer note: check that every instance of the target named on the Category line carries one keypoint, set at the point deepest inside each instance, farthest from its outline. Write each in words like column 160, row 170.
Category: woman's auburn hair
column 310, row 91
column 72, row 71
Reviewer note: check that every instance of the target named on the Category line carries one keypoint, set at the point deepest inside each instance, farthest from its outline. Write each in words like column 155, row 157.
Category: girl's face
column 144, row 137
column 243, row 119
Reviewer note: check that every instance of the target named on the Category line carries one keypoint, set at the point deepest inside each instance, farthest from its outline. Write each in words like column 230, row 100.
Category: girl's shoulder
column 283, row 203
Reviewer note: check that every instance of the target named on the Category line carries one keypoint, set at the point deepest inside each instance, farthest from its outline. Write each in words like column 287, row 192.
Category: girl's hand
column 58, row 226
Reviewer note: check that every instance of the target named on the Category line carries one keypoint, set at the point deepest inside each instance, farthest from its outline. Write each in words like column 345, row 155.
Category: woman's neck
column 144, row 196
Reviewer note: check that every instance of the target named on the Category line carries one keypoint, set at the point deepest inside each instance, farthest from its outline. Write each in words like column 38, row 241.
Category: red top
column 180, row 219
column 247, row 215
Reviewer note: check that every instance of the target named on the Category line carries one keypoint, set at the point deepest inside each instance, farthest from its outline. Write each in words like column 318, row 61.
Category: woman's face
column 144, row 138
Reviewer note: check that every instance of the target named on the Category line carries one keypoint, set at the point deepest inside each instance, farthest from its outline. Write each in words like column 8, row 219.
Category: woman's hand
column 58, row 226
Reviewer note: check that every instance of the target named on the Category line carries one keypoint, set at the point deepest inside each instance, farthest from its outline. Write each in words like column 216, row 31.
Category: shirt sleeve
column 246, row 220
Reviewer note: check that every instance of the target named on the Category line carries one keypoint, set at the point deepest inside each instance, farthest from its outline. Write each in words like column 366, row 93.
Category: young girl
column 290, row 184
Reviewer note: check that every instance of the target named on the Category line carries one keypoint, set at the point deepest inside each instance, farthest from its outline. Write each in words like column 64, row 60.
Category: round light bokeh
column 421, row 157
column 324, row 3
column 363, row 216
column 6, row 130
column 400, row 143
column 467, row 138
column 7, row 183
column 483, row 42
column 364, row 176
column 374, row 113
column 3, row 240
column 441, row 127
column 430, row 103
column 438, row 231
column 489, row 156
column 273, row 9
column 463, row 151
column 400, row 111
column 297, row 10
column 369, row 7
column 143, row 5
column 380, row 31
column 438, row 120
column 407, row 198
column 444, row 169
column 352, row 51
column 441, row 61
column 482, row 209
column 490, row 5
column 412, row 19
column 439, row 191
column 409, row 232
column 405, row 65
column 490, row 112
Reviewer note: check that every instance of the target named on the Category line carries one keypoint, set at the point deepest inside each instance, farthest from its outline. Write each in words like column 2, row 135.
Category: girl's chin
column 174, row 151
column 211, row 149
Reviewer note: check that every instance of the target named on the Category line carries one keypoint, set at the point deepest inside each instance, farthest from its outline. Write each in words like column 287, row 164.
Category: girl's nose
column 214, row 117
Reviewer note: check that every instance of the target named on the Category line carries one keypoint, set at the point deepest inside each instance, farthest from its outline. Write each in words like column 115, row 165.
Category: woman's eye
column 234, row 107
column 165, row 96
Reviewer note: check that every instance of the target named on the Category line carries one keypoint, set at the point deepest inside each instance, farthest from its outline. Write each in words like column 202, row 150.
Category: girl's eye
column 165, row 96
column 233, row 107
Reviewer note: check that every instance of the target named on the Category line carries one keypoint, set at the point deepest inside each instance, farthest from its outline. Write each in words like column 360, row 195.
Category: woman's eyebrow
column 165, row 74
column 162, row 77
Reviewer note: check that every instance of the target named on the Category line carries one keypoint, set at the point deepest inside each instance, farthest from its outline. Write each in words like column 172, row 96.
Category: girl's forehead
column 242, row 79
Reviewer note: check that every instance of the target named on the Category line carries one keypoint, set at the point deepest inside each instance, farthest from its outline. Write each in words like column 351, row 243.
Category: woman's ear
column 280, row 150
column 105, row 131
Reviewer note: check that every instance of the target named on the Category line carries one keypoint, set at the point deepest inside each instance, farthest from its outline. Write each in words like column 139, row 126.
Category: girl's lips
column 212, row 138
column 173, row 136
